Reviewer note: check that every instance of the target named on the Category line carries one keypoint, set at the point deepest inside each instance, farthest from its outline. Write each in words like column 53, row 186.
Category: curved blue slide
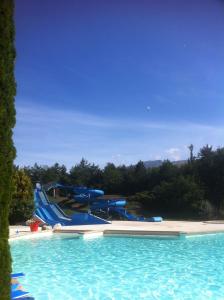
column 51, row 213
column 105, row 204
column 118, row 207
column 79, row 193
column 130, row 217
column 91, row 197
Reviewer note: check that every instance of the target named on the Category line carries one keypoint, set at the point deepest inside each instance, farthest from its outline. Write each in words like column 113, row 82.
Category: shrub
column 145, row 198
column 178, row 195
column 22, row 204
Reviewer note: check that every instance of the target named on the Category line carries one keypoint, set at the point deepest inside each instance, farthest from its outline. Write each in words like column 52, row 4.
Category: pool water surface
column 62, row 267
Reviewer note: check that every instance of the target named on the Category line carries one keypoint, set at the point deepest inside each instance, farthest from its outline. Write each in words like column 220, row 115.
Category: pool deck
column 127, row 228
column 166, row 228
column 23, row 232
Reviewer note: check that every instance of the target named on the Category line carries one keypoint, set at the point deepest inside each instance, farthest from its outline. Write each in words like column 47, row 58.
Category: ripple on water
column 122, row 268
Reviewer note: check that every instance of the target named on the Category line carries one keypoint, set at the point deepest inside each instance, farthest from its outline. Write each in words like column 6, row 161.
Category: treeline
column 195, row 188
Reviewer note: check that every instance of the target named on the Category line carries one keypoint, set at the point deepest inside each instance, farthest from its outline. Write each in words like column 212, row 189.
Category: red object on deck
column 34, row 226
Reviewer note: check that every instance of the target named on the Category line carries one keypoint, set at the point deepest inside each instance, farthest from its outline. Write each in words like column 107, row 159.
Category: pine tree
column 7, row 150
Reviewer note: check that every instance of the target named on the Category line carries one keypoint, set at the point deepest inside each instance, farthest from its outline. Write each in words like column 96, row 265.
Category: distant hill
column 158, row 163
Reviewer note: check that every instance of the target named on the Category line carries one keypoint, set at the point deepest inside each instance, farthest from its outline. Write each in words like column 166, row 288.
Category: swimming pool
column 63, row 267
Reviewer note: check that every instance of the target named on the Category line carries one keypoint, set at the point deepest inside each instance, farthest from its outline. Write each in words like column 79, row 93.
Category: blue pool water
column 63, row 267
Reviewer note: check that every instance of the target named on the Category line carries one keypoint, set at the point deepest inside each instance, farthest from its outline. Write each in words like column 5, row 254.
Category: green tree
column 210, row 174
column 22, row 204
column 46, row 174
column 180, row 195
column 112, row 178
column 36, row 173
column 168, row 171
column 7, row 150
column 86, row 174
column 145, row 198
column 139, row 176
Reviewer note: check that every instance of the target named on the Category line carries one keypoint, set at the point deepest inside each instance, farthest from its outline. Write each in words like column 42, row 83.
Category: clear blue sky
column 118, row 80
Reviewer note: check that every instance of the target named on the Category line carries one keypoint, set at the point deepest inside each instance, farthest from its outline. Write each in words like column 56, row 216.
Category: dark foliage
column 7, row 150
column 22, row 205
column 45, row 174
column 85, row 174
column 195, row 188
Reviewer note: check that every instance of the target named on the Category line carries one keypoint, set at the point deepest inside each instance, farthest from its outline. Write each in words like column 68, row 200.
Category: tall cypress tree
column 7, row 150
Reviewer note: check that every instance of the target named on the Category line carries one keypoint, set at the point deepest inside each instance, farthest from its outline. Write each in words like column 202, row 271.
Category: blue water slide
column 117, row 205
column 95, row 193
column 106, row 204
column 81, row 194
column 87, row 219
column 42, row 214
column 86, row 196
column 52, row 214
column 122, row 212
column 82, row 198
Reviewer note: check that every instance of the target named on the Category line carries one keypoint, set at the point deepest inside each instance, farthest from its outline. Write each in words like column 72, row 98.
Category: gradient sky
column 118, row 81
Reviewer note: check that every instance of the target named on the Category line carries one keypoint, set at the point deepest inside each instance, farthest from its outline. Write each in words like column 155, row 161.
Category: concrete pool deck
column 124, row 228
column 174, row 228
column 23, row 232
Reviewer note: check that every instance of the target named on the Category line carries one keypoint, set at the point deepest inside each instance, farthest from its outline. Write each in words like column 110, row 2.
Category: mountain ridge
column 158, row 163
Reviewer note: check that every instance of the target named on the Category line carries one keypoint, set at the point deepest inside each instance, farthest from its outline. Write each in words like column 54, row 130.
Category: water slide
column 123, row 213
column 81, row 194
column 52, row 214
column 107, row 206
column 107, row 203
column 117, row 206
